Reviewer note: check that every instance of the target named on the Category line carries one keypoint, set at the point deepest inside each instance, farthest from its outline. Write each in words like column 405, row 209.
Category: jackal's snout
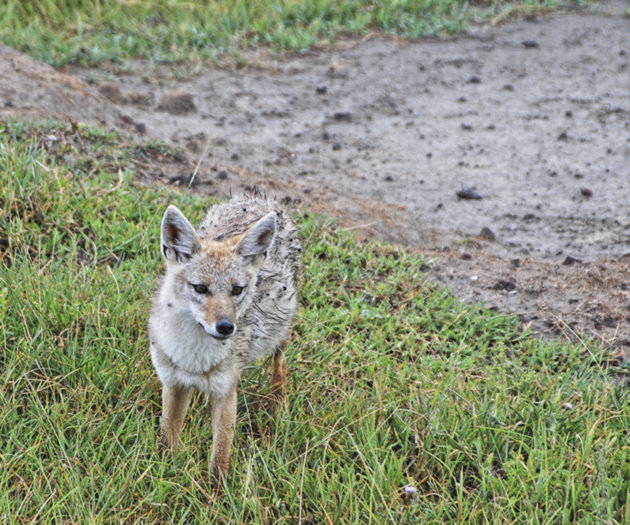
column 220, row 317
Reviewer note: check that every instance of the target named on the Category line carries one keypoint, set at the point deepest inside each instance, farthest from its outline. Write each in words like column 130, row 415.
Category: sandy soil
column 503, row 155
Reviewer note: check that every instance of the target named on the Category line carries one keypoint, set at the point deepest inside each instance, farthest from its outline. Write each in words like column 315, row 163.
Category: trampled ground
column 531, row 114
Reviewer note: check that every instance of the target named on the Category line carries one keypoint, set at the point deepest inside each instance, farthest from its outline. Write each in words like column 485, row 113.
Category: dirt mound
column 507, row 144
column 32, row 89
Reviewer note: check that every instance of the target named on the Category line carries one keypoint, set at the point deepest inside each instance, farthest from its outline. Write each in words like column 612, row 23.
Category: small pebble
column 468, row 193
column 586, row 192
column 343, row 116
column 569, row 260
column 504, row 284
column 530, row 44
column 487, row 234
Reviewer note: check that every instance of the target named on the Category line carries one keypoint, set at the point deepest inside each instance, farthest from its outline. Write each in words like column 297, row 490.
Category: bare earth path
column 531, row 115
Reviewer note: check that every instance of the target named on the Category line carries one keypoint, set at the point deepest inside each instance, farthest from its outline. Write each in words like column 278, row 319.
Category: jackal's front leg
column 223, row 423
column 175, row 402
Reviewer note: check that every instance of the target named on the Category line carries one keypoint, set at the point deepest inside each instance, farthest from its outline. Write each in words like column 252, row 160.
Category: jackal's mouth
column 215, row 334
column 220, row 337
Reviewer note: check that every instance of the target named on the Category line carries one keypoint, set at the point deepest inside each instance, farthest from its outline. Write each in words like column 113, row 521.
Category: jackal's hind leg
column 278, row 376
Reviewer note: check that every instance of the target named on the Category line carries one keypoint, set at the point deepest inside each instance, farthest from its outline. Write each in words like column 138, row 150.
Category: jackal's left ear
column 257, row 240
column 179, row 239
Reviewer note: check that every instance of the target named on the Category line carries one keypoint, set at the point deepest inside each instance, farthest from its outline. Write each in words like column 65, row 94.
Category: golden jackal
column 228, row 297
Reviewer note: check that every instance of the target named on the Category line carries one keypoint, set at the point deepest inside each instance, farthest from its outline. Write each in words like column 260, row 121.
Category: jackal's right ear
column 179, row 239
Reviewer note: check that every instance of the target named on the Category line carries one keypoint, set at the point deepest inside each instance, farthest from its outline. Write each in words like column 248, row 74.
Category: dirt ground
column 502, row 155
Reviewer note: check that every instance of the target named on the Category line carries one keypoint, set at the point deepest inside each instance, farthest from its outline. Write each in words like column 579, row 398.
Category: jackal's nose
column 225, row 327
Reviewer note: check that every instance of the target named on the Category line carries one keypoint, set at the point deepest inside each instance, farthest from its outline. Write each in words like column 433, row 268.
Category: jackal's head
column 214, row 280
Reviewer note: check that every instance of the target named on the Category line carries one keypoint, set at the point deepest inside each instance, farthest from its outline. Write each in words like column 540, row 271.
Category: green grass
column 92, row 31
column 392, row 383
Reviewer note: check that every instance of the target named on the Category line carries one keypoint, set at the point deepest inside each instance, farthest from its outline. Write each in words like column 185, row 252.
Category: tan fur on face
column 220, row 307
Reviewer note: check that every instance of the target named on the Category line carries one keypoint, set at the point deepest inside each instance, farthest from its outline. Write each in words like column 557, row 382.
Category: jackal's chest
column 183, row 354
column 216, row 381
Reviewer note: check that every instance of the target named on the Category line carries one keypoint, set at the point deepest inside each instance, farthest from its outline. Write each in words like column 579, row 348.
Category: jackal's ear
column 179, row 239
column 257, row 240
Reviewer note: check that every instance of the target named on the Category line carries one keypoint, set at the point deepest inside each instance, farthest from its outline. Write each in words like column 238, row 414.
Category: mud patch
column 556, row 300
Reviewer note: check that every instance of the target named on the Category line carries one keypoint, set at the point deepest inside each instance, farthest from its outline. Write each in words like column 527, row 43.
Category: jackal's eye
column 200, row 288
column 237, row 290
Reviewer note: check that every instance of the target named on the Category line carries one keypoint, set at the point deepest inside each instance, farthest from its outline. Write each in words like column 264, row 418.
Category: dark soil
column 502, row 155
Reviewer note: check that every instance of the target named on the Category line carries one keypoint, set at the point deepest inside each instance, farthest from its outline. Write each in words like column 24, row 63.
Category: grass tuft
column 392, row 382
